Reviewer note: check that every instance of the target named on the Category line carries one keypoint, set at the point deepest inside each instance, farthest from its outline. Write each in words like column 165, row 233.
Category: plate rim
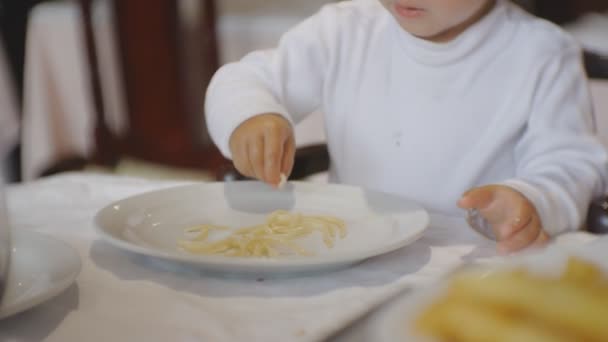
column 211, row 260
column 49, row 293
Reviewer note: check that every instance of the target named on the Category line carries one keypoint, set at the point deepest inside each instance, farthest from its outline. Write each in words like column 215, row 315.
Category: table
column 58, row 115
column 119, row 297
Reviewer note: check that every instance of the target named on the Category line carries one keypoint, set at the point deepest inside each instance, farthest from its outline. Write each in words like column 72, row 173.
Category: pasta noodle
column 283, row 181
column 274, row 237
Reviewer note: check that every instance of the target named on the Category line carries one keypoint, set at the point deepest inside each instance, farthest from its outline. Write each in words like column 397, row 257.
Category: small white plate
column 152, row 223
column 41, row 268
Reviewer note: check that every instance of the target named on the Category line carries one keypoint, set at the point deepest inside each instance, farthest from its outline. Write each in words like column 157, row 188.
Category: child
column 426, row 99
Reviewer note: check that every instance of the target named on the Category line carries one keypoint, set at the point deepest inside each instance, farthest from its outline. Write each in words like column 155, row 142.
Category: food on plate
column 277, row 236
column 517, row 305
column 283, row 181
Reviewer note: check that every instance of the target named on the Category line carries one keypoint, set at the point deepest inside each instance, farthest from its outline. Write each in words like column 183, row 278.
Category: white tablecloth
column 58, row 116
column 58, row 112
column 118, row 297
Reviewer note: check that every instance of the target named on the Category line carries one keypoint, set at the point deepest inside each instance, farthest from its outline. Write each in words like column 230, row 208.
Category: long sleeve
column 288, row 80
column 506, row 102
column 561, row 163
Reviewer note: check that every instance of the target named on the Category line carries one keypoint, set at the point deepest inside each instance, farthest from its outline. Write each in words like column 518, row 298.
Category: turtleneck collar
column 433, row 53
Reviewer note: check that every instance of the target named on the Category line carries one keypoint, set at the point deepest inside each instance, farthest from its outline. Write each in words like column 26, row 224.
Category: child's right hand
column 263, row 147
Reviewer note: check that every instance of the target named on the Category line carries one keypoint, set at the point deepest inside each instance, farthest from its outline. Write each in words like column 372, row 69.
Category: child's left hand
column 512, row 217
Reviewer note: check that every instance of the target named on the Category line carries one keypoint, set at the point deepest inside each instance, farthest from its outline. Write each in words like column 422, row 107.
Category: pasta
column 272, row 238
column 283, row 181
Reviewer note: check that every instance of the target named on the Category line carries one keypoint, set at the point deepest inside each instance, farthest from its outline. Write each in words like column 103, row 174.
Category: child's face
column 437, row 20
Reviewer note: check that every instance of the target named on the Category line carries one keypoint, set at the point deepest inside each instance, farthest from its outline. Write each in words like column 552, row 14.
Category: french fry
column 519, row 306
column 457, row 320
column 582, row 272
column 556, row 304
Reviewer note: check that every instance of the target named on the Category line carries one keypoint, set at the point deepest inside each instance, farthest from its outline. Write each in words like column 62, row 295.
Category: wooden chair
column 165, row 71
column 597, row 217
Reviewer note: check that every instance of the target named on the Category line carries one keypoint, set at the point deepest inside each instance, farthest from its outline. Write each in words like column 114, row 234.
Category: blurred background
column 118, row 85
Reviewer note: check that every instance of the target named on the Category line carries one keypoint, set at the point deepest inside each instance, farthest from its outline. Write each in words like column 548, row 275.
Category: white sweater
column 505, row 102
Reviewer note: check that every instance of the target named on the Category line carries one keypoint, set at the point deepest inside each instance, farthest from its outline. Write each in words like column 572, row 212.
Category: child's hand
column 512, row 217
column 263, row 147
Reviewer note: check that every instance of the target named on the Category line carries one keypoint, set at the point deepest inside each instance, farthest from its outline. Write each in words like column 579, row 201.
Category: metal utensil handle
column 480, row 224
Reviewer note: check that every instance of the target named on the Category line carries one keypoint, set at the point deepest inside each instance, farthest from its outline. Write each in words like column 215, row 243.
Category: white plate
column 41, row 268
column 152, row 223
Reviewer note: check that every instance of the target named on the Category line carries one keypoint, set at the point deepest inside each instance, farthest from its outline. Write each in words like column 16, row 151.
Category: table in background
column 58, row 113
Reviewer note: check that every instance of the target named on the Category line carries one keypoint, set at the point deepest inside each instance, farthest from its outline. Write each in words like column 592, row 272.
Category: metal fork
column 480, row 224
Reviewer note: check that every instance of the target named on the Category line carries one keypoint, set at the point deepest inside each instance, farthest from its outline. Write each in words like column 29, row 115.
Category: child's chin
column 426, row 34
column 422, row 33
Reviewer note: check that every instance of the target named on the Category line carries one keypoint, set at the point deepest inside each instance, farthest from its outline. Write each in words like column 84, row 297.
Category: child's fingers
column 514, row 221
column 522, row 238
column 289, row 151
column 257, row 146
column 273, row 154
column 542, row 239
column 255, row 152
column 240, row 158
column 478, row 198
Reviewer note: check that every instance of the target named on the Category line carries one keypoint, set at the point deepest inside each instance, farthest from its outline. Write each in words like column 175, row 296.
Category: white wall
column 247, row 25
